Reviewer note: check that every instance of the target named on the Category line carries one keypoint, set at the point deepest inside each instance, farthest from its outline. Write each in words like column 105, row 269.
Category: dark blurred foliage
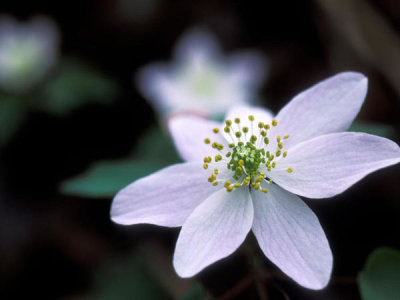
column 56, row 247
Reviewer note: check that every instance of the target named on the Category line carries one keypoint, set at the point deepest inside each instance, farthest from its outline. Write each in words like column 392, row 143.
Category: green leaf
column 156, row 145
column 104, row 179
column 380, row 278
column 126, row 279
column 196, row 292
column 12, row 114
column 76, row 84
column 373, row 128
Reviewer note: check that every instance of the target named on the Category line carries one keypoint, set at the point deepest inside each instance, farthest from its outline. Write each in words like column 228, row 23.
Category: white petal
column 196, row 43
column 247, row 68
column 157, row 84
column 243, row 112
column 164, row 198
column 329, row 106
column 214, row 230
column 329, row 164
column 189, row 133
column 291, row 236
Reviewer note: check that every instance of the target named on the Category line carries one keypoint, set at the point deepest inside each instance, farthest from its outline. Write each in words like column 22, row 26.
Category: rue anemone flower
column 200, row 79
column 247, row 173
column 27, row 52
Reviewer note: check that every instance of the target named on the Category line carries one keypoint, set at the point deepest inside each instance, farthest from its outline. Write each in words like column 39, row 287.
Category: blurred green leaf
column 106, row 178
column 126, row 279
column 12, row 113
column 380, row 278
column 373, row 128
column 76, row 84
column 196, row 292
column 155, row 144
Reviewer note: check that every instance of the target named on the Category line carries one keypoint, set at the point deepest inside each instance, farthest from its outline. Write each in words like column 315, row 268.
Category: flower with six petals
column 246, row 174
column 200, row 79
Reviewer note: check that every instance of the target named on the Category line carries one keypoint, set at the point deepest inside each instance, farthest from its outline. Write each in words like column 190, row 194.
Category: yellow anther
column 247, row 178
column 231, row 145
column 227, row 129
column 274, row 122
column 289, row 170
column 266, row 126
column 266, row 141
column 215, row 183
column 278, row 138
column 273, row 164
column 256, row 186
column 245, row 129
column 238, row 134
column 286, row 137
column 264, row 190
column 271, row 157
column 284, row 154
column 260, row 125
column 207, row 140
column 227, row 183
column 269, row 169
column 207, row 159
column 280, row 145
column 236, row 185
column 213, row 176
column 278, row 153
column 229, row 189
column 228, row 123
column 262, row 174
column 205, row 166
column 215, row 130
column 216, row 171
column 270, row 181
column 251, row 118
column 241, row 162
column 237, row 120
column 263, row 133
column 218, row 158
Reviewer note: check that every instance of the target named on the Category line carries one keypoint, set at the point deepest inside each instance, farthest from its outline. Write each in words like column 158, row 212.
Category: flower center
column 250, row 157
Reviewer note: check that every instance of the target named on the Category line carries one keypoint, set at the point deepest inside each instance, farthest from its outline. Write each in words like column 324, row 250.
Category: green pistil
column 246, row 159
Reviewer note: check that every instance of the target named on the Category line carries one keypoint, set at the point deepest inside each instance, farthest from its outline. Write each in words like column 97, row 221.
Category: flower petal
column 164, row 198
column 214, row 230
column 291, row 236
column 196, row 43
column 247, row 68
column 329, row 106
column 327, row 165
column 189, row 133
column 243, row 112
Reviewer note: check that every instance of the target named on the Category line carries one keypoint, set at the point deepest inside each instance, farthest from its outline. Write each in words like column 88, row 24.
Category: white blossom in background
column 27, row 51
column 246, row 173
column 200, row 79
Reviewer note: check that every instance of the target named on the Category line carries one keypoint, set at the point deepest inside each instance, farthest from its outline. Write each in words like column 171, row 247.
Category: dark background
column 52, row 246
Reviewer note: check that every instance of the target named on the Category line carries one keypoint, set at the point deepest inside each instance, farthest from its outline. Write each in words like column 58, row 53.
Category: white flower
column 249, row 177
column 27, row 52
column 200, row 79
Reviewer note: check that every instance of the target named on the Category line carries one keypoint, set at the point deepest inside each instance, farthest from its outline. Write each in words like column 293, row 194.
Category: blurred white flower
column 200, row 79
column 27, row 52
